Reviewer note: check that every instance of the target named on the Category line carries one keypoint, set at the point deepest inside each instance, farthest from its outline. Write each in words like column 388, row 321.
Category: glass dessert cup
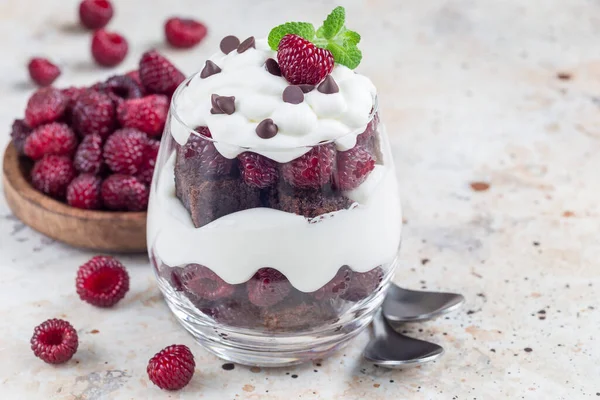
column 273, row 263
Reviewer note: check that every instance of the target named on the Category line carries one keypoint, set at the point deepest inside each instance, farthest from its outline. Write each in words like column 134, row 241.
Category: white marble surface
column 469, row 90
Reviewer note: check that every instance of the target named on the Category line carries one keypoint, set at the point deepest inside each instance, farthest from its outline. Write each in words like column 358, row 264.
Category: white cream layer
column 258, row 95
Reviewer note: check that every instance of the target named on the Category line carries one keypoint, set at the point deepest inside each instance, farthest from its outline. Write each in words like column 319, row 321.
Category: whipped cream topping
column 340, row 116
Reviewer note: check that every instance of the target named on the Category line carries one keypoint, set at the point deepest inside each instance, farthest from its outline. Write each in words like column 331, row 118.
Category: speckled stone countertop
column 493, row 107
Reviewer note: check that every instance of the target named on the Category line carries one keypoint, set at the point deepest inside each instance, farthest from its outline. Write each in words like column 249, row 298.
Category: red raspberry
column 84, row 192
column 267, row 287
column 42, row 71
column 94, row 112
column 258, row 171
column 95, row 14
column 201, row 155
column 172, row 368
column 302, row 62
column 147, row 114
column 102, row 281
column 184, row 33
column 124, row 150
column 122, row 87
column 123, row 192
column 149, row 161
column 71, row 93
column 52, row 174
column 45, row 105
column 158, row 74
column 311, row 170
column 108, row 48
column 53, row 138
column 363, row 284
column 88, row 157
column 19, row 133
column 204, row 283
column 336, row 287
column 54, row 341
column 135, row 75
column 353, row 166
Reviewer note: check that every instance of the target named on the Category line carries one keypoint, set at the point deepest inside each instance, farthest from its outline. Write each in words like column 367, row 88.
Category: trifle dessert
column 274, row 219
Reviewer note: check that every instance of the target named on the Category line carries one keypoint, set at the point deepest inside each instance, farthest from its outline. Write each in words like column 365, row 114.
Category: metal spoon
column 403, row 305
column 391, row 349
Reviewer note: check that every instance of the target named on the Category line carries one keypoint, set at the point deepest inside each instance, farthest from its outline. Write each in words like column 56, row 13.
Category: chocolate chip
column 266, row 129
column 306, row 88
column 247, row 44
column 210, row 68
column 222, row 104
column 293, row 95
column 229, row 44
column 272, row 66
column 328, row 86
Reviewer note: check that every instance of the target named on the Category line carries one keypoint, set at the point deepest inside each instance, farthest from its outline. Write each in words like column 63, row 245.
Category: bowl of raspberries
column 81, row 159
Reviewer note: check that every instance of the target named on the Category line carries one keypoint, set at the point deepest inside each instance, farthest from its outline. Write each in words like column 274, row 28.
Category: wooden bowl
column 121, row 232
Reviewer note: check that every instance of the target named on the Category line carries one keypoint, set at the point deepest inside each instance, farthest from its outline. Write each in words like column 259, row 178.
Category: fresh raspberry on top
column 149, row 161
column 267, row 287
column 202, row 155
column 42, row 71
column 109, row 48
column 172, row 368
column 53, row 138
column 102, row 281
column 52, row 174
column 204, row 283
column 19, row 132
column 147, row 114
column 88, row 157
column 122, row 87
column 336, row 287
column 184, row 32
column 363, row 284
column 45, row 105
column 301, row 62
column 84, row 192
column 95, row 14
column 54, row 341
column 158, row 74
column 94, row 112
column 258, row 171
column 124, row 193
column 353, row 167
column 124, row 150
column 311, row 170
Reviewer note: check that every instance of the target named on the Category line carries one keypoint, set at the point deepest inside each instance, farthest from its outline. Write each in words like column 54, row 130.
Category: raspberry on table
column 53, row 138
column 42, row 71
column 124, row 193
column 88, row 156
column 84, row 192
column 363, row 284
column 124, row 150
column 172, row 368
column 54, row 341
column 146, row 170
column 109, row 48
column 353, row 167
column 52, row 174
column 147, row 114
column 184, row 32
column 19, row 133
column 267, row 287
column 301, row 62
column 45, row 105
column 158, row 74
column 122, row 87
column 336, row 287
column 204, row 283
column 102, row 281
column 95, row 14
column 199, row 156
column 94, row 112
column 311, row 170
column 258, row 171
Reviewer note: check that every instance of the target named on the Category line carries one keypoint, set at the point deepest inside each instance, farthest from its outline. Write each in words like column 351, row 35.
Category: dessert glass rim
column 175, row 115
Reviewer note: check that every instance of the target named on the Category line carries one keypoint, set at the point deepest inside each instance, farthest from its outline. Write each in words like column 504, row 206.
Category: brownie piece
column 293, row 316
column 309, row 203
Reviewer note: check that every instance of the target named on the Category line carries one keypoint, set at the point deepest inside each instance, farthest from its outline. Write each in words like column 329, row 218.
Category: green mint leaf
column 350, row 38
column 302, row 29
column 334, row 23
column 349, row 56
column 320, row 33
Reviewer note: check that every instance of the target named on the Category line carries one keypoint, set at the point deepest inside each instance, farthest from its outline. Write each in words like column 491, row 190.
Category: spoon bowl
column 403, row 305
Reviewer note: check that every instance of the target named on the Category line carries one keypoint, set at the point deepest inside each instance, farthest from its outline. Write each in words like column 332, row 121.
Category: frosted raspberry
column 45, row 105
column 267, row 287
column 311, row 170
column 147, row 114
column 258, row 171
column 109, row 48
column 84, row 192
column 19, row 133
column 88, row 157
column 149, row 162
column 124, row 193
column 158, row 74
column 52, row 174
column 95, row 14
column 124, row 151
column 204, row 283
column 42, row 71
column 94, row 112
column 53, row 138
column 336, row 287
column 200, row 155
column 183, row 32
column 353, row 167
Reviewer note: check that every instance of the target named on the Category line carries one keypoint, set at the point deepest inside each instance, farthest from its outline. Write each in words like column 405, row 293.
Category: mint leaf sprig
column 332, row 35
